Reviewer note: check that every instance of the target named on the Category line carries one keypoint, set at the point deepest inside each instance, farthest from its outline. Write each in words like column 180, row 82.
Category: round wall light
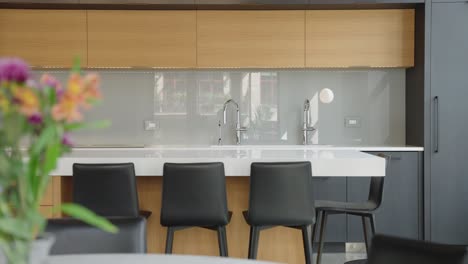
column 326, row 96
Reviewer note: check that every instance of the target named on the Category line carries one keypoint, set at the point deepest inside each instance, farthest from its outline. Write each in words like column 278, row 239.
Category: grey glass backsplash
column 186, row 106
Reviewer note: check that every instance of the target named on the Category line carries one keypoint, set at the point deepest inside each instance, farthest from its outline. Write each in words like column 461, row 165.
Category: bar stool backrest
column 376, row 190
column 75, row 237
column 194, row 194
column 106, row 189
column 281, row 194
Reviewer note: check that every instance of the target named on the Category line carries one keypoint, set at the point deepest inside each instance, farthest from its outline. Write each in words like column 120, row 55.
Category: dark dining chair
column 365, row 210
column 194, row 195
column 391, row 250
column 75, row 237
column 107, row 189
column 280, row 195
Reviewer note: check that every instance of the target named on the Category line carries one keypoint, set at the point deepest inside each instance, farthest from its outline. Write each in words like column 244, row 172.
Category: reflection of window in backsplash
column 186, row 106
column 213, row 89
column 170, row 93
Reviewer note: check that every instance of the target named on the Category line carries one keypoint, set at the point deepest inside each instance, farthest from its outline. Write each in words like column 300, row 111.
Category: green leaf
column 90, row 125
column 81, row 213
column 51, row 156
column 76, row 65
column 15, row 227
column 46, row 136
column 38, row 220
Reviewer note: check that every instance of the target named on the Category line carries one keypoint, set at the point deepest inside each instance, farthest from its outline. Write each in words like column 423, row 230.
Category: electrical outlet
column 352, row 121
column 151, row 125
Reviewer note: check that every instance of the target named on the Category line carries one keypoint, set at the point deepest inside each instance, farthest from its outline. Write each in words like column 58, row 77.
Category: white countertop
column 327, row 161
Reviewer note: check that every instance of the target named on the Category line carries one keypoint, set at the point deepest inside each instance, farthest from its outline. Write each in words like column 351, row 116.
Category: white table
column 146, row 259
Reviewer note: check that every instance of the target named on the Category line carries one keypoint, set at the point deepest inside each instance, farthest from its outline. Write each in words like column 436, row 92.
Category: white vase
column 39, row 251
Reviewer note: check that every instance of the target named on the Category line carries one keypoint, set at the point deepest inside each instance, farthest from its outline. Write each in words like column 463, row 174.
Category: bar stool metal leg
column 169, row 240
column 372, row 222
column 307, row 243
column 323, row 225
column 364, row 228
column 314, row 228
column 222, row 241
column 253, row 244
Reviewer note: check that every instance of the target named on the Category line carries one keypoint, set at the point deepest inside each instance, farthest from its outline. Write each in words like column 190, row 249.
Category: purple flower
column 66, row 140
column 35, row 119
column 14, row 70
column 31, row 83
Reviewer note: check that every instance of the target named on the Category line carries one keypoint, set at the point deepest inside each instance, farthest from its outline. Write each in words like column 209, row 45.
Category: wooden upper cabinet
column 142, row 38
column 50, row 38
column 249, row 39
column 360, row 38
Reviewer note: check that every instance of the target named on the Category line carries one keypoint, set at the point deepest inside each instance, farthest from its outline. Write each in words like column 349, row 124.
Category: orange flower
column 91, row 87
column 75, row 85
column 80, row 93
column 67, row 109
column 27, row 100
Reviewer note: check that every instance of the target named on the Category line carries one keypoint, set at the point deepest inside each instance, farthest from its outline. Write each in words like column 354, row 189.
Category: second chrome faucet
column 306, row 127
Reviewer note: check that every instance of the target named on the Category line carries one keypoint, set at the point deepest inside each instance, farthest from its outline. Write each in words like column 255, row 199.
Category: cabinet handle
column 436, row 124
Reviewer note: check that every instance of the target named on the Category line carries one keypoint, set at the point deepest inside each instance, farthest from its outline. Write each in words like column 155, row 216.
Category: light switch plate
column 151, row 125
column 352, row 121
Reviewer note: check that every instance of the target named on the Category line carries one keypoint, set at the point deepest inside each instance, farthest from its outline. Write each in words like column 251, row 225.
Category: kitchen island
column 330, row 165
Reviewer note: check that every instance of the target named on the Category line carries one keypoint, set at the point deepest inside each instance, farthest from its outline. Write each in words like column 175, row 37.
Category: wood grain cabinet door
column 50, row 38
column 249, row 39
column 141, row 38
column 360, row 38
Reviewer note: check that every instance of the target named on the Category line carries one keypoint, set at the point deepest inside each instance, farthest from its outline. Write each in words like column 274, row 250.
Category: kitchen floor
column 339, row 258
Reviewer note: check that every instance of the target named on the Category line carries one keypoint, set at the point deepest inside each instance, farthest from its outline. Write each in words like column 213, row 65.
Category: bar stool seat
column 348, row 207
column 194, row 195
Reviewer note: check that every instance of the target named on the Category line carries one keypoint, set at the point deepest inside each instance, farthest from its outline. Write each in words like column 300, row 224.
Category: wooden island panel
column 278, row 244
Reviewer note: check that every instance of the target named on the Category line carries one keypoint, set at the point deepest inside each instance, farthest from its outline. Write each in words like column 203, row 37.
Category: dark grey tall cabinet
column 449, row 123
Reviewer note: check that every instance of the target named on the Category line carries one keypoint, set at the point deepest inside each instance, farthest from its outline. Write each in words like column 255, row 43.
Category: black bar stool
column 365, row 210
column 280, row 195
column 390, row 250
column 194, row 195
column 75, row 237
column 107, row 189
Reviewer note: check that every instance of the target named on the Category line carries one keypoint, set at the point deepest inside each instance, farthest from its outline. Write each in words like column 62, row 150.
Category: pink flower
column 14, row 70
column 66, row 140
column 50, row 81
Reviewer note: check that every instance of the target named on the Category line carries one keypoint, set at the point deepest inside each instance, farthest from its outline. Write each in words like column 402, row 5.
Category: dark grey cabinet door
column 449, row 123
column 401, row 211
column 332, row 188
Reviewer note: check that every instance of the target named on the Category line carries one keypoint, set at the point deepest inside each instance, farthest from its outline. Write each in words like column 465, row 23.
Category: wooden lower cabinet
column 46, row 211
column 52, row 197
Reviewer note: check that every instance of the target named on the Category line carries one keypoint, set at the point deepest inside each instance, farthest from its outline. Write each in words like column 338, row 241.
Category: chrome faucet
column 239, row 129
column 306, row 127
